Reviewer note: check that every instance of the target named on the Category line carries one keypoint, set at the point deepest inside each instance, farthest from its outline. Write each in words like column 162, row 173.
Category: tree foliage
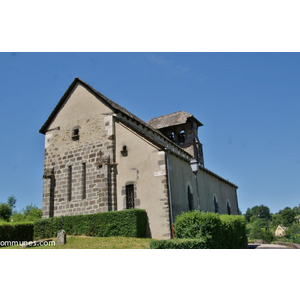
column 6, row 208
column 5, row 211
column 288, row 216
column 262, row 224
column 258, row 212
column 12, row 201
column 29, row 213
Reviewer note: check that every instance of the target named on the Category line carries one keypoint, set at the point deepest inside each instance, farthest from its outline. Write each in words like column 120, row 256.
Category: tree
column 296, row 210
column 295, row 233
column 29, row 213
column 261, row 212
column 287, row 216
column 259, row 231
column 276, row 220
column 12, row 201
column 5, row 211
column 32, row 212
column 248, row 214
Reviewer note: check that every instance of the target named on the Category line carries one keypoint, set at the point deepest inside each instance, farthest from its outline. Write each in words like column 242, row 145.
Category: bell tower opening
column 182, row 129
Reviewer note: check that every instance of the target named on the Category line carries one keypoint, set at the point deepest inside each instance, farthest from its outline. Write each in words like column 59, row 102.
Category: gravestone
column 61, row 237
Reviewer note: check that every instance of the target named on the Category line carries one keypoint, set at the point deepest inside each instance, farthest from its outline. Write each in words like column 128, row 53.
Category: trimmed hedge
column 220, row 231
column 234, row 231
column 19, row 232
column 130, row 222
column 201, row 243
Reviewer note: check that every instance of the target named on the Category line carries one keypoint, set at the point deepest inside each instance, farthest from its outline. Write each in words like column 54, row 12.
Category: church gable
column 77, row 104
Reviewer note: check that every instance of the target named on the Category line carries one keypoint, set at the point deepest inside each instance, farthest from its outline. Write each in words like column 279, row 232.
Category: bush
column 201, row 243
column 5, row 211
column 221, row 231
column 19, row 232
column 130, row 223
column 30, row 213
column 194, row 224
column 234, row 231
column 258, row 233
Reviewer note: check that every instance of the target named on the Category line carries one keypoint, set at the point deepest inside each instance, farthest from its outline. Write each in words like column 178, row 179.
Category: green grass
column 85, row 242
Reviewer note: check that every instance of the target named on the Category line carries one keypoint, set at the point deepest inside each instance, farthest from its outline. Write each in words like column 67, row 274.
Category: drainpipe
column 169, row 189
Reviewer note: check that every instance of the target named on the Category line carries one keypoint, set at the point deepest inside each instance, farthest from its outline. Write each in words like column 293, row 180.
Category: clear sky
column 248, row 102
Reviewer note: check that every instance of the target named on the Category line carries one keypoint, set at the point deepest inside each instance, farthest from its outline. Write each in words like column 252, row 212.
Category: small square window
column 75, row 134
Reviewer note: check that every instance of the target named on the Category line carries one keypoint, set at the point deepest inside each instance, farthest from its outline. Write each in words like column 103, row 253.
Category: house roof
column 282, row 227
column 173, row 119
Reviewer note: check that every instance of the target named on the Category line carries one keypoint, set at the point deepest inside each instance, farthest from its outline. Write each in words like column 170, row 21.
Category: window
column 216, row 204
column 228, row 208
column 172, row 136
column 83, row 180
column 129, row 196
column 52, row 187
column 75, row 134
column 69, row 183
column 181, row 137
column 190, row 199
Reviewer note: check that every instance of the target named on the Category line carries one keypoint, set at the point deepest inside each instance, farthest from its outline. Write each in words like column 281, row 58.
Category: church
column 101, row 157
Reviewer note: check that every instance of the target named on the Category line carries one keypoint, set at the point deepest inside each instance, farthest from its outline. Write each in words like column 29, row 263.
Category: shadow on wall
column 148, row 230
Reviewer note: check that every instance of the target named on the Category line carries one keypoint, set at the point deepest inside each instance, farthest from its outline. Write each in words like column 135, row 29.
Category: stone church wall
column 78, row 177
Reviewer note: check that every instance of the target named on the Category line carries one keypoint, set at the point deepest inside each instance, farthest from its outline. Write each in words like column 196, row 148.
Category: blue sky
column 248, row 102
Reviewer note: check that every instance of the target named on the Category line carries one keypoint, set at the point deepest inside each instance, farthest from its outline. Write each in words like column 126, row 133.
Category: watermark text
column 26, row 243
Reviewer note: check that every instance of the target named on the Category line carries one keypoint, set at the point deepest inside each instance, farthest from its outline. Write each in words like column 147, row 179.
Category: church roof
column 173, row 119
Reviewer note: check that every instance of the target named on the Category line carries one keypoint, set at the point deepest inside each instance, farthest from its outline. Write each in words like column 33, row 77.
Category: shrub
column 130, row 223
column 201, row 243
column 258, row 233
column 5, row 211
column 196, row 225
column 234, row 231
column 19, row 232
column 221, row 231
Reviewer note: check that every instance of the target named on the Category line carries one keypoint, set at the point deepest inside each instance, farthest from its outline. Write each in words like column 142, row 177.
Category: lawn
column 86, row 242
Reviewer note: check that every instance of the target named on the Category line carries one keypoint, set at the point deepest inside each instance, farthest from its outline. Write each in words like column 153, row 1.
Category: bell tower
column 182, row 129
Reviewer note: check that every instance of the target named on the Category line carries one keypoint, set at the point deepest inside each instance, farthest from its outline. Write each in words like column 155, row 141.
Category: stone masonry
column 78, row 176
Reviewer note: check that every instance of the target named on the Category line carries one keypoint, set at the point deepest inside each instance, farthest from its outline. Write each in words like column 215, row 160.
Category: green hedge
column 130, row 222
column 19, row 232
column 226, row 232
column 234, row 231
column 202, row 243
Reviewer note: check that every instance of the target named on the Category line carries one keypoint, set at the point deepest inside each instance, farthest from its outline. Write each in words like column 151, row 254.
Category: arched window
column 181, row 137
column 190, row 198
column 228, row 207
column 216, row 204
column 172, row 136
